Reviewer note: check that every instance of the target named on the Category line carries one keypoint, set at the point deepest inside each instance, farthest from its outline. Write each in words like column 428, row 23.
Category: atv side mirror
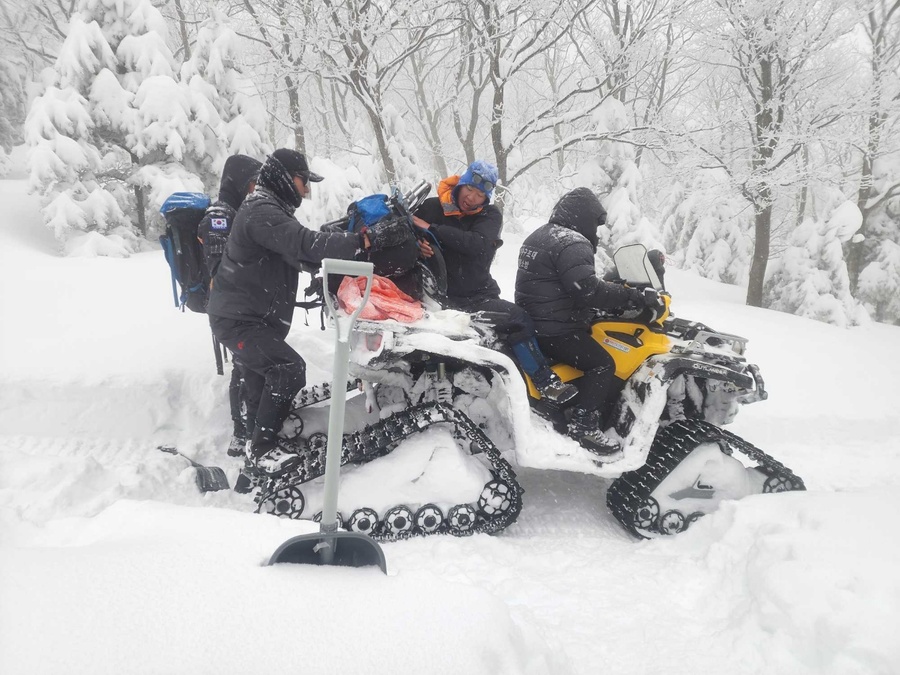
column 634, row 267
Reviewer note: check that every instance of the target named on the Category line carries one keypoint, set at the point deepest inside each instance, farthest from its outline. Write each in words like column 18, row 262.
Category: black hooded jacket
column 259, row 274
column 557, row 283
column 213, row 230
column 468, row 243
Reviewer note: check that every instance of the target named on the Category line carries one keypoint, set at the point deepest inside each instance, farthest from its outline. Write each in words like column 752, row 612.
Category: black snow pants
column 513, row 324
column 598, row 386
column 273, row 372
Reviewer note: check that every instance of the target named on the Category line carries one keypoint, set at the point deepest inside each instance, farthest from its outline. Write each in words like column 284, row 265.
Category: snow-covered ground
column 112, row 562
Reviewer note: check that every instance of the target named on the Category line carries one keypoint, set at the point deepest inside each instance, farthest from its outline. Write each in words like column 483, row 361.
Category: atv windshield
column 634, row 268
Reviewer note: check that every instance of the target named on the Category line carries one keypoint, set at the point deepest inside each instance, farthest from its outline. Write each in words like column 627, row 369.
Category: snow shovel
column 208, row 478
column 331, row 546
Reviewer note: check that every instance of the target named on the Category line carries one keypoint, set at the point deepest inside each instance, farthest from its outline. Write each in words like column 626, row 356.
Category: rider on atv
column 558, row 286
column 467, row 227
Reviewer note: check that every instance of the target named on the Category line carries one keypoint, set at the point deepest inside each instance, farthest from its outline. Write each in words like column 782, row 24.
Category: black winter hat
column 296, row 165
column 277, row 175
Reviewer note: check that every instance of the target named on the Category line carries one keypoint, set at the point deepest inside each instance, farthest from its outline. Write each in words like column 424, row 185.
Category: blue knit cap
column 477, row 174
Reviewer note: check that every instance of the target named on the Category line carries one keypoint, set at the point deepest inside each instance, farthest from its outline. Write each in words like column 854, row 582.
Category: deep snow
column 111, row 562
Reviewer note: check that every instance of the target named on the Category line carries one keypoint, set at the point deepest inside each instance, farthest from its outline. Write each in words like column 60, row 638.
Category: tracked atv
column 679, row 382
column 484, row 496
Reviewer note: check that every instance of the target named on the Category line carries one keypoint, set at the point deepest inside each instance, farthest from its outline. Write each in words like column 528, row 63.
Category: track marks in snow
column 43, row 478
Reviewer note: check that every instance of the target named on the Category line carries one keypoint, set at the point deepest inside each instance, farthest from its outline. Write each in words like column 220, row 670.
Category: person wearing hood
column 251, row 303
column 238, row 180
column 467, row 227
column 557, row 284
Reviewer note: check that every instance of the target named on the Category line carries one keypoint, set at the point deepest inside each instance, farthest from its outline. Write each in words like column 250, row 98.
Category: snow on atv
column 441, row 410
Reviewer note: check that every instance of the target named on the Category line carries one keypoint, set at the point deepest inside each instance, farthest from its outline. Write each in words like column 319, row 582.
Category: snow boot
column 271, row 458
column 584, row 427
column 552, row 388
column 238, row 444
column 269, row 455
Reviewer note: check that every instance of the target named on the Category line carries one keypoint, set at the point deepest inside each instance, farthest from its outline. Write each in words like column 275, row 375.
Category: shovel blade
column 347, row 549
column 207, row 478
column 211, row 479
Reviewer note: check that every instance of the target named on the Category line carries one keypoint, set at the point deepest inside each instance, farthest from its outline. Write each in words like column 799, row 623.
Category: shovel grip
column 353, row 268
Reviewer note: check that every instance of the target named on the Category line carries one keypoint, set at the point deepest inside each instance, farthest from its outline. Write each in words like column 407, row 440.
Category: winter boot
column 584, row 427
column 552, row 388
column 272, row 458
column 238, row 444
column 268, row 455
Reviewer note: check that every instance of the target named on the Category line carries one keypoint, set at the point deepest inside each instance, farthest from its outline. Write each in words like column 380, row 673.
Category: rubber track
column 380, row 438
column 318, row 393
column 671, row 446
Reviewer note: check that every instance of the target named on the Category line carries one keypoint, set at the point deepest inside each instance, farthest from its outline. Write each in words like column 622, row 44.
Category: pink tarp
column 385, row 302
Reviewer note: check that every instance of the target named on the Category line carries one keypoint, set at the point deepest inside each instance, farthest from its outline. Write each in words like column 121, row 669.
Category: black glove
column 654, row 302
column 387, row 234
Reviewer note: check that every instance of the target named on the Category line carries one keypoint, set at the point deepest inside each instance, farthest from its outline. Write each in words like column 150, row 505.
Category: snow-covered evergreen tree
column 224, row 101
column 85, row 132
column 116, row 131
column 810, row 278
column 614, row 175
column 12, row 111
column 402, row 149
column 706, row 229
column 878, row 248
column 676, row 229
column 719, row 248
column 879, row 284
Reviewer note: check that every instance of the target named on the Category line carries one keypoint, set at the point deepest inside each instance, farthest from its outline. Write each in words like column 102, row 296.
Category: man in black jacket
column 251, row 303
column 238, row 180
column 467, row 227
column 557, row 284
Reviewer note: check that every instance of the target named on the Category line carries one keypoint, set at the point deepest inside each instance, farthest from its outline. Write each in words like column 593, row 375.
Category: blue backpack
column 367, row 211
column 183, row 212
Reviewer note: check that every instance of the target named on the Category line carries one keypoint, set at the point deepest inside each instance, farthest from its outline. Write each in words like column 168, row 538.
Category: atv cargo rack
column 699, row 335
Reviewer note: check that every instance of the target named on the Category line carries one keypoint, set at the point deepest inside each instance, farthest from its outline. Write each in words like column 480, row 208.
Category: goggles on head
column 484, row 185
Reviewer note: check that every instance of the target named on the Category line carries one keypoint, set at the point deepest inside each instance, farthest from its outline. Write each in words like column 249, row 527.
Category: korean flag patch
column 218, row 223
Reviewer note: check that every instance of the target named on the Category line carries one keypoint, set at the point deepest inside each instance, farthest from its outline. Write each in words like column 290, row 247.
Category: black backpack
column 400, row 260
column 183, row 212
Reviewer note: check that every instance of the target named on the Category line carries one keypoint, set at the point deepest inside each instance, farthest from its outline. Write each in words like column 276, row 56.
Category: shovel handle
column 343, row 326
column 356, row 268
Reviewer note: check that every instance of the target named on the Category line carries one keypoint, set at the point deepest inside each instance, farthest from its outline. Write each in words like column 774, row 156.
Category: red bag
column 386, row 301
